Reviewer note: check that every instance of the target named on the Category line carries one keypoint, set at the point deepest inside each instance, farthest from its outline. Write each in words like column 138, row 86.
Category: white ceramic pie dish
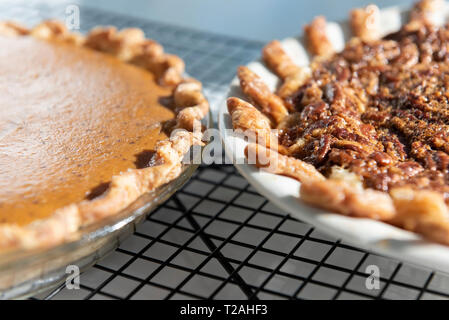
column 284, row 192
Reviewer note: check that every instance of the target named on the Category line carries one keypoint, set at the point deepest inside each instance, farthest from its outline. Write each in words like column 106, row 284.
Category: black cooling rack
column 218, row 238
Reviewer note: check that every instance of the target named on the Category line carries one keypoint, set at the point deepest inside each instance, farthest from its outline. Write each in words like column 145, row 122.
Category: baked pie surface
column 365, row 130
column 87, row 125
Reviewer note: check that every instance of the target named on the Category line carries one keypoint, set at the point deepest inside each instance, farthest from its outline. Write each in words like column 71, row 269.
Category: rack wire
column 217, row 238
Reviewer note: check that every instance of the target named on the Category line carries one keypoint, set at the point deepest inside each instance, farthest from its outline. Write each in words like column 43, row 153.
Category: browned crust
column 253, row 124
column 292, row 75
column 419, row 211
column 423, row 212
column 292, row 83
column 12, row 29
column 191, row 105
column 423, row 12
column 261, row 96
column 273, row 162
column 128, row 186
column 346, row 199
column 131, row 46
column 55, row 30
column 246, row 117
column 278, row 61
column 317, row 40
column 365, row 22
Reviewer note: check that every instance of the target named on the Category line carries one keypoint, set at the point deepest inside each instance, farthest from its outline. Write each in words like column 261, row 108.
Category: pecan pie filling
column 365, row 130
column 379, row 109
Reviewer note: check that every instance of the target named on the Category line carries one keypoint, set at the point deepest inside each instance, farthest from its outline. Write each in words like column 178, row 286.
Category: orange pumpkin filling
column 70, row 119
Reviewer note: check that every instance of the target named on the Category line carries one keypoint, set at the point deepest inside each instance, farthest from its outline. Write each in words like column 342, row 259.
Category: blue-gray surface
column 261, row 20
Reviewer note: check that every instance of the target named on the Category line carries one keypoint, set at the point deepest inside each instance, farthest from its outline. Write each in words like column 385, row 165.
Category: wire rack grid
column 217, row 238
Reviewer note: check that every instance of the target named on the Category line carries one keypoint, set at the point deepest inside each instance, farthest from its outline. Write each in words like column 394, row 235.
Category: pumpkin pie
column 87, row 125
column 365, row 130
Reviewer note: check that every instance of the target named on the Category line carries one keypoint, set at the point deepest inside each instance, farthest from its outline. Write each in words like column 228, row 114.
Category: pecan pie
column 365, row 130
column 87, row 125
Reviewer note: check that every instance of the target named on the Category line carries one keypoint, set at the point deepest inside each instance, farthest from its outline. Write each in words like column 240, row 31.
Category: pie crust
column 130, row 46
column 338, row 136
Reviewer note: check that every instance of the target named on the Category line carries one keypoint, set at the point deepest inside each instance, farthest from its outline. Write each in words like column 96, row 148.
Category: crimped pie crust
column 131, row 46
column 420, row 205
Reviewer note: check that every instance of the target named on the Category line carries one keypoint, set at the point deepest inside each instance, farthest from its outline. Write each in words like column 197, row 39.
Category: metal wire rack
column 218, row 238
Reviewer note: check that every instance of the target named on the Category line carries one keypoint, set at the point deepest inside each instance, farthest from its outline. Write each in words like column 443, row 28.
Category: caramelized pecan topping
column 380, row 109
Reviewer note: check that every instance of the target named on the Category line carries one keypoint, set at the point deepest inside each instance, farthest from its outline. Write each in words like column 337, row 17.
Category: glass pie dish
column 26, row 273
